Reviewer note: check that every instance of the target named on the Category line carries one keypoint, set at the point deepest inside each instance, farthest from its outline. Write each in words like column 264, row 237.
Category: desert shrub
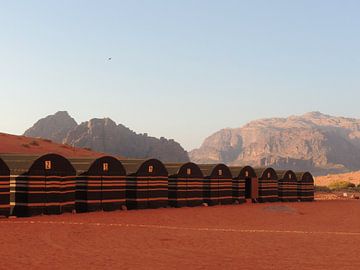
column 341, row 185
column 25, row 145
column 47, row 140
column 322, row 189
column 34, row 143
column 87, row 149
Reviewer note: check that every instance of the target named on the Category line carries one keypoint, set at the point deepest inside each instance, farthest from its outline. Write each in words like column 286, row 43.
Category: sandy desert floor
column 318, row 235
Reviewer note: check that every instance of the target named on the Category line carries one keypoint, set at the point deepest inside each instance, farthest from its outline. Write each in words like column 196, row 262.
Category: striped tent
column 287, row 186
column 217, row 188
column 305, row 186
column 4, row 189
column 146, row 184
column 268, row 185
column 100, row 184
column 185, row 184
column 42, row 185
column 245, row 184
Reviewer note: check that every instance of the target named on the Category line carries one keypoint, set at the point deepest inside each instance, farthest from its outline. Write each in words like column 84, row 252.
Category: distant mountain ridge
column 314, row 141
column 104, row 135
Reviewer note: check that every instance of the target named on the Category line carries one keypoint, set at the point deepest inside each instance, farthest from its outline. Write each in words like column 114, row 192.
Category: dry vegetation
column 352, row 177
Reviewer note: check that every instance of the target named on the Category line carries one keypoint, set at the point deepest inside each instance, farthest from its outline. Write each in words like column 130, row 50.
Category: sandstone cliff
column 314, row 141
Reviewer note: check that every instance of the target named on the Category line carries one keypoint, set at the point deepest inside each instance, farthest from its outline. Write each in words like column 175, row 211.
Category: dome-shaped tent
column 100, row 184
column 287, row 186
column 245, row 184
column 268, row 185
column 305, row 186
column 185, row 184
column 217, row 188
column 43, row 184
column 146, row 184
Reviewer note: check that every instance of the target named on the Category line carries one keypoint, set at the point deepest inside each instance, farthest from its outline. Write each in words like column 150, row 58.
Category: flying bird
column 109, row 58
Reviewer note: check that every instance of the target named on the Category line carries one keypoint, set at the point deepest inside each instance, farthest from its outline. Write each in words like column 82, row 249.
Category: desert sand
column 12, row 144
column 316, row 235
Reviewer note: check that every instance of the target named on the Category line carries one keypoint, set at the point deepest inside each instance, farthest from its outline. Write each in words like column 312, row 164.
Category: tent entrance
column 251, row 188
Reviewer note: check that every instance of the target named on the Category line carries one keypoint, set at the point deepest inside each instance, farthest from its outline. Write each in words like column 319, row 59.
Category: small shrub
column 25, row 145
column 341, row 185
column 322, row 189
column 87, row 149
column 47, row 140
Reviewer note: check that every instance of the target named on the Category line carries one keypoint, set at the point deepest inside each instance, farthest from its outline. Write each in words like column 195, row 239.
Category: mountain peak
column 314, row 141
column 53, row 127
column 316, row 114
column 104, row 135
column 62, row 113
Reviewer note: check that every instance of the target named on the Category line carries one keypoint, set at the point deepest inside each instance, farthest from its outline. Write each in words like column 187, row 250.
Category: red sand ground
column 318, row 235
column 12, row 144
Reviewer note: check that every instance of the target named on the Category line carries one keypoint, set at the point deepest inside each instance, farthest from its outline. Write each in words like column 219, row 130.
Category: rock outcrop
column 104, row 135
column 53, row 127
column 314, row 141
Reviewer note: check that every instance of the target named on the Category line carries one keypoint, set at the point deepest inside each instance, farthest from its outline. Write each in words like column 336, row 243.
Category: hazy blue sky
column 180, row 69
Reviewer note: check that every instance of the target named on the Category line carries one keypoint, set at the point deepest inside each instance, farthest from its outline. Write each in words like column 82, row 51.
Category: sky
column 179, row 69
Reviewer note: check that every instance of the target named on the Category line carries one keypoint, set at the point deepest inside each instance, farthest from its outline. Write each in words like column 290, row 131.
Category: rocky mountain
column 104, row 135
column 53, row 127
column 314, row 141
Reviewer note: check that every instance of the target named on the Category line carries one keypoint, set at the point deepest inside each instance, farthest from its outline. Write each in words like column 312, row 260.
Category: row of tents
column 53, row 184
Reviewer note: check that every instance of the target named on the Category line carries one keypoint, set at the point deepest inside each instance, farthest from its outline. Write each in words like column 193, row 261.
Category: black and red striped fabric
column 185, row 185
column 287, row 186
column 4, row 189
column 242, row 184
column 146, row 184
column 217, row 187
column 43, row 185
column 100, row 184
column 305, row 186
column 268, row 185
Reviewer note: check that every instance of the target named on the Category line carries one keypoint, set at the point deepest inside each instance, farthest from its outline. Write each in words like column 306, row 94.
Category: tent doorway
column 248, row 188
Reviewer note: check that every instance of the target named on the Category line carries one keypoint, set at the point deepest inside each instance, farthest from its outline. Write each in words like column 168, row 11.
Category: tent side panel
column 81, row 194
column 158, row 191
column 67, row 190
column 225, row 191
column 52, row 195
column 306, row 191
column 137, row 192
column 113, row 192
column 268, row 190
column 177, row 192
column 287, row 191
column 4, row 195
column 93, row 190
column 29, row 195
column 238, row 190
column 195, row 191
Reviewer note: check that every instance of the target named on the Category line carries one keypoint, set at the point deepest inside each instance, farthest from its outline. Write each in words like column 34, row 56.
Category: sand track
column 324, row 235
